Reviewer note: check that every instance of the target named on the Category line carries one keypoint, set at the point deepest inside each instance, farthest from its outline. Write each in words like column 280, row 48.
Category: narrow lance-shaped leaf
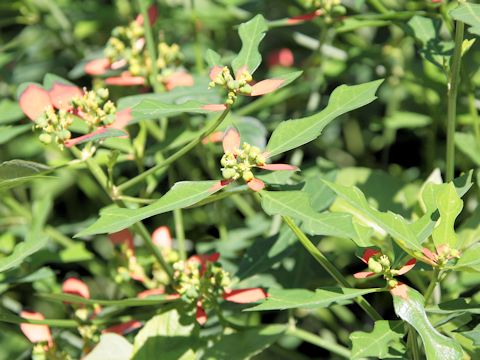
column 213, row 58
column 294, row 133
column 17, row 172
column 130, row 302
column 377, row 343
column 449, row 205
column 297, row 205
column 469, row 14
column 251, row 33
column 393, row 224
column 281, row 299
column 410, row 308
column 154, row 109
column 181, row 195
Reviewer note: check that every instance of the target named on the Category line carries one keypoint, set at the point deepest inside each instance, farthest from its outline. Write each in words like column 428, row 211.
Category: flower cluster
column 95, row 108
column 379, row 264
column 444, row 254
column 238, row 161
column 238, row 85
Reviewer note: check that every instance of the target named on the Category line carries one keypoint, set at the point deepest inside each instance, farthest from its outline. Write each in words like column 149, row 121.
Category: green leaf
column 469, row 258
column 111, row 347
column 181, row 195
column 291, row 134
column 407, row 120
column 35, row 239
column 461, row 305
column 10, row 111
column 473, row 335
column 296, row 204
column 376, row 343
column 244, row 344
column 449, row 205
column 213, row 58
column 437, row 346
column 9, row 132
column 166, row 334
column 468, row 145
column 99, row 134
column 281, row 299
column 17, row 172
column 251, row 33
column 154, row 109
column 392, row 223
column 469, row 14
column 130, row 302
column 50, row 79
column 424, row 29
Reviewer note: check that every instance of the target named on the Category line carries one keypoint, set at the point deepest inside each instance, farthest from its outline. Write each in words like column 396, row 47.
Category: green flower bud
column 45, row 138
column 247, row 175
column 384, row 261
column 246, row 89
column 392, row 283
column 229, row 173
column 375, row 266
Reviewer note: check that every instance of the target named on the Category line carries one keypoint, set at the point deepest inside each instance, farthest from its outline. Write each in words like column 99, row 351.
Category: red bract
column 231, row 143
column 124, row 328
column 281, row 57
column 162, row 237
column 34, row 100
column 123, row 237
column 368, row 253
column 443, row 253
column 77, row 287
column 305, row 17
column 36, row 333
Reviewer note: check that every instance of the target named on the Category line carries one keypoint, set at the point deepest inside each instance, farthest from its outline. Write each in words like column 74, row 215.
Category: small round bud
column 228, row 173
column 392, row 283
column 45, row 138
column 384, row 261
column 247, row 175
column 375, row 266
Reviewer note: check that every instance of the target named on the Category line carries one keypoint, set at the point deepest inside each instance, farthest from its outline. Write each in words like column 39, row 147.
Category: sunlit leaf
column 111, row 347
column 437, row 346
column 449, row 205
column 251, row 33
column 181, row 195
column 469, row 14
column 281, row 299
column 377, row 342
column 294, row 133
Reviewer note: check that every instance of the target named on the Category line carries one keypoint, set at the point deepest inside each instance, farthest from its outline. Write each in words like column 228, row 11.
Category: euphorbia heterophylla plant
column 192, row 203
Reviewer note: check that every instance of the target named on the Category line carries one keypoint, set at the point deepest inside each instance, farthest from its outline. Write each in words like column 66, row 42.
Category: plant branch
column 329, row 267
column 453, row 81
column 174, row 156
column 318, row 341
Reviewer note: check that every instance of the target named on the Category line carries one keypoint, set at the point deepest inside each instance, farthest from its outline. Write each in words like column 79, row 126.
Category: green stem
column 318, row 341
column 412, row 343
column 377, row 5
column 150, row 45
column 453, row 82
column 431, row 287
column 329, row 267
column 174, row 156
column 180, row 233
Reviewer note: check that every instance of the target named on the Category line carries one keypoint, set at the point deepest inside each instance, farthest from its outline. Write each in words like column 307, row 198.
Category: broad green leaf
column 291, row 134
column 9, row 132
column 281, row 299
column 394, row 224
column 213, row 58
column 473, row 335
column 245, row 344
column 425, row 29
column 181, row 195
column 437, row 346
column 166, row 334
column 424, row 226
column 377, row 343
column 469, row 14
column 17, row 172
column 288, row 78
column 251, row 33
column 99, row 134
column 469, row 258
column 449, row 206
column 131, row 302
column 111, row 347
column 296, row 204
column 154, row 109
column 50, row 79
column 468, row 145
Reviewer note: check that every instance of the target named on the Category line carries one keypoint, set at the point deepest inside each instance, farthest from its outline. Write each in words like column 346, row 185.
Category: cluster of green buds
column 95, row 108
column 41, row 351
column 380, row 264
column 193, row 284
column 239, row 163
column 444, row 254
column 125, row 43
column 234, row 86
column 54, row 124
column 329, row 8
